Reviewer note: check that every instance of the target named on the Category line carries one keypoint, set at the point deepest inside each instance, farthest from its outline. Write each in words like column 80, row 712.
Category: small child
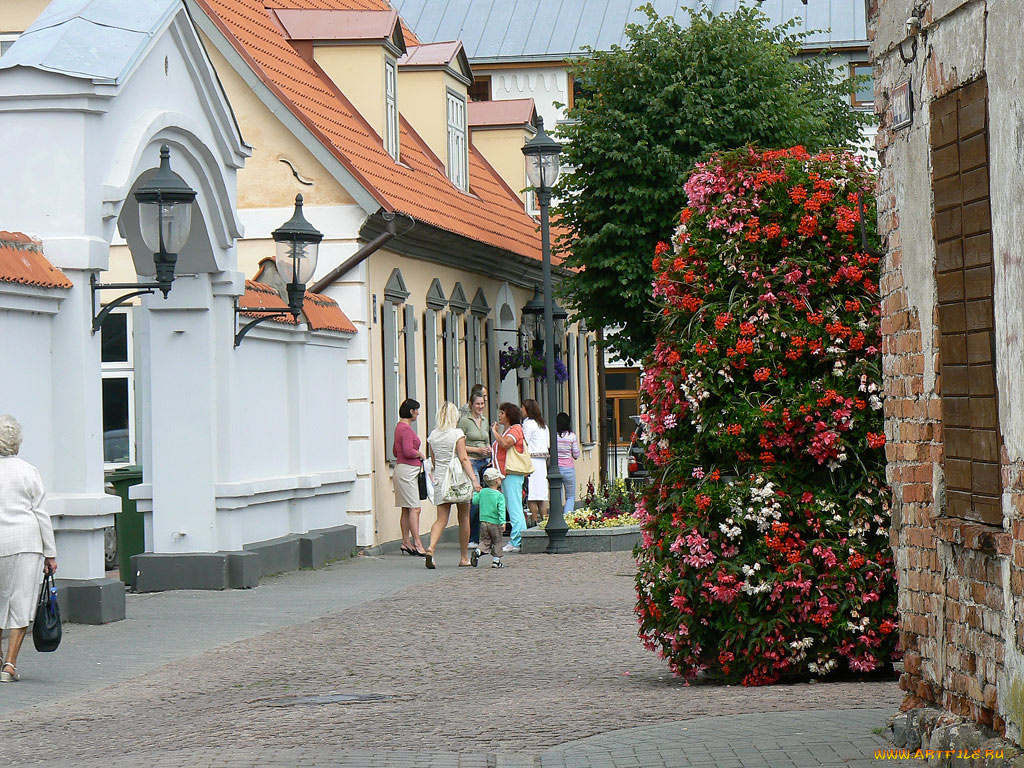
column 492, row 518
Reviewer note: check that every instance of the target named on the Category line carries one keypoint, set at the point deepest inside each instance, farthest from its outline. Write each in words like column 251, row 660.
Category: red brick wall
column 953, row 609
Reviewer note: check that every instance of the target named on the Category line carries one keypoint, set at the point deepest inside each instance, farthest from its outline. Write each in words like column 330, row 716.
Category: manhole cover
column 328, row 698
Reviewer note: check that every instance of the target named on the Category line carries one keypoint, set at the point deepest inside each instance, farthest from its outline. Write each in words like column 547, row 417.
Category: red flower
column 747, row 329
column 808, row 226
column 662, row 248
column 875, row 440
column 762, row 374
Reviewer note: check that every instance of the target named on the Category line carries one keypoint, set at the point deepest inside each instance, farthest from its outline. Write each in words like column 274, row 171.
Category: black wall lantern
column 165, row 218
column 297, row 245
column 532, row 326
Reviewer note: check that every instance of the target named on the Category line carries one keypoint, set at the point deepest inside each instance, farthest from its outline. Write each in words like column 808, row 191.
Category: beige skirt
column 20, row 577
column 407, row 488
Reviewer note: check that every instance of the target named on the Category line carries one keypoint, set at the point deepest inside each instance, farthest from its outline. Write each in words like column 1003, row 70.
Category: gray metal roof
column 536, row 30
column 99, row 40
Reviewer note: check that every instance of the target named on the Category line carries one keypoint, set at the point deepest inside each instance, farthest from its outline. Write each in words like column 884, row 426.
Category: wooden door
column 964, row 275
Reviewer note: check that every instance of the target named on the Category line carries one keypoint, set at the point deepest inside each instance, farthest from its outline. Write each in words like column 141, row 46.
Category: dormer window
column 458, row 146
column 391, row 107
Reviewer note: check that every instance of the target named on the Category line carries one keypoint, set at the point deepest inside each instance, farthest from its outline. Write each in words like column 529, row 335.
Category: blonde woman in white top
column 538, row 442
column 446, row 441
column 27, row 548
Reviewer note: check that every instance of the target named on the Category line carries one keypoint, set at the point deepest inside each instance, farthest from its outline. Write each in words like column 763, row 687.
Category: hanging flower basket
column 527, row 364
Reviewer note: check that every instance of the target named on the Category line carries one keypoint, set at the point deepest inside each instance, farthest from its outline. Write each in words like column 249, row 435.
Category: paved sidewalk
column 377, row 662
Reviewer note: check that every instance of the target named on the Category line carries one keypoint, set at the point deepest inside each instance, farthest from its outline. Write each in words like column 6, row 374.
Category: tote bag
column 458, row 486
column 518, row 462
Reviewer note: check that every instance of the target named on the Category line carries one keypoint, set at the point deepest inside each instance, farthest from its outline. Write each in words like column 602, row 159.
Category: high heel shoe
column 408, row 550
column 430, row 560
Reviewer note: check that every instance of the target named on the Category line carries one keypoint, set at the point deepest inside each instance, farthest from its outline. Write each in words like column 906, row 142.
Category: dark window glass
column 480, row 90
column 114, row 338
column 115, row 420
column 627, row 408
column 865, row 93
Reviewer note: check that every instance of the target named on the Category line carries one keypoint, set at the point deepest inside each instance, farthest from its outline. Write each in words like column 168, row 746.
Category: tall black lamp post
column 532, row 327
column 542, row 166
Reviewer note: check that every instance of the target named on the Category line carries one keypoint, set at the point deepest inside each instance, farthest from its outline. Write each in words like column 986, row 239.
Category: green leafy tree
column 647, row 114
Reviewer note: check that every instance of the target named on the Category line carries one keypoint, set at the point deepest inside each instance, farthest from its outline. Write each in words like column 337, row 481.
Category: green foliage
column 671, row 98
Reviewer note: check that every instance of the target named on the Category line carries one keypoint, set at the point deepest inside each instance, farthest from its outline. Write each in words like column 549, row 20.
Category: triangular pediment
column 395, row 289
column 480, row 307
column 458, row 301
column 435, row 296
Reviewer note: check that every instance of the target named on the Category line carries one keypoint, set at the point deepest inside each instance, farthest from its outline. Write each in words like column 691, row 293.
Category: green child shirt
column 492, row 505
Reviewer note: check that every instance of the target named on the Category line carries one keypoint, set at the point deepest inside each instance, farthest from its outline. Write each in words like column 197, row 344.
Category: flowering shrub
column 588, row 519
column 764, row 549
column 511, row 358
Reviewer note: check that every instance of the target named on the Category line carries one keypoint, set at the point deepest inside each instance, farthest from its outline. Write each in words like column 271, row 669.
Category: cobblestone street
column 464, row 667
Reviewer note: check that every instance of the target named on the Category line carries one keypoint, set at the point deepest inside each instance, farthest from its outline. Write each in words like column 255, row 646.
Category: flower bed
column 764, row 551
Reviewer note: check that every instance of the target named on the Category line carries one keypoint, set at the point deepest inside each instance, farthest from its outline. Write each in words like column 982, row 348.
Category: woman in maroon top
column 409, row 460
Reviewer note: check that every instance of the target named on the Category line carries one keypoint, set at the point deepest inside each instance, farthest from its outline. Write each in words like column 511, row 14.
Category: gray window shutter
column 410, row 351
column 430, row 366
column 572, row 366
column 493, row 382
column 582, row 379
column 472, row 353
column 390, row 329
column 451, row 353
column 592, row 376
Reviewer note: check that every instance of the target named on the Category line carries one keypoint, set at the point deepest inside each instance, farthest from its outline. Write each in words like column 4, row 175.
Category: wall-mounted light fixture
column 913, row 28
column 297, row 246
column 165, row 218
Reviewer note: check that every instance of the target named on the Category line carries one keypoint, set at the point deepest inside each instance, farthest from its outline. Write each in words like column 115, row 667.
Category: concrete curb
column 621, row 539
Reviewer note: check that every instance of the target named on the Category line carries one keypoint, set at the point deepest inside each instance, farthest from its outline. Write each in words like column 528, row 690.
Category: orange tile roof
column 305, row 24
column 492, row 213
column 322, row 312
column 348, row 5
column 22, row 261
column 511, row 112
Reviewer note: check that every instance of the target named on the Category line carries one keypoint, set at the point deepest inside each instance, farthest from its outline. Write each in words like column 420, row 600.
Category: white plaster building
column 230, row 439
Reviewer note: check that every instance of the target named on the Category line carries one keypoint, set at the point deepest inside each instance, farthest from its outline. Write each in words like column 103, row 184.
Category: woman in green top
column 478, row 446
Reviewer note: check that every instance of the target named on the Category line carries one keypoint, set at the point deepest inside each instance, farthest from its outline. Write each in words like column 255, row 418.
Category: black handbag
column 421, row 479
column 46, row 628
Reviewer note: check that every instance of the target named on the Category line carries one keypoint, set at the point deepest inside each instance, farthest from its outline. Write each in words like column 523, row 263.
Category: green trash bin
column 131, row 539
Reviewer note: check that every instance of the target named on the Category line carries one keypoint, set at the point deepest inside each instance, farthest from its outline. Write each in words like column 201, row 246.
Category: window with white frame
column 458, row 148
column 118, row 372
column 6, row 41
column 391, row 107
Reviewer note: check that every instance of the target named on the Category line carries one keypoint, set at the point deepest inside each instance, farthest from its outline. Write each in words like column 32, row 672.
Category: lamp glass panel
column 174, row 218
column 292, row 255
column 549, row 168
column 533, row 170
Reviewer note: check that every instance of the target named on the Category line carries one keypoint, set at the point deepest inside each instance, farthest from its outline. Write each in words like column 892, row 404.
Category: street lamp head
column 165, row 217
column 559, row 316
column 533, row 315
column 542, row 154
column 298, row 245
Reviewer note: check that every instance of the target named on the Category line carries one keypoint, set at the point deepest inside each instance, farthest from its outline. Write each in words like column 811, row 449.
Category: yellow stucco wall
column 265, row 181
column 502, row 148
column 421, row 101
column 418, row 276
column 18, row 15
column 358, row 70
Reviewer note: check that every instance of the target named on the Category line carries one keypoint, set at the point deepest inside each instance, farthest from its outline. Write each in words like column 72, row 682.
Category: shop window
column 622, row 395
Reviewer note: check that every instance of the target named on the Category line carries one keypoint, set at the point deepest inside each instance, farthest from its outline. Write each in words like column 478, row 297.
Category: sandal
column 430, row 560
column 9, row 677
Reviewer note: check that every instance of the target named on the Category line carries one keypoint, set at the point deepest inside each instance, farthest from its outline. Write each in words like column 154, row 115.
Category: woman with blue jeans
column 507, row 433
column 478, row 446
column 568, row 452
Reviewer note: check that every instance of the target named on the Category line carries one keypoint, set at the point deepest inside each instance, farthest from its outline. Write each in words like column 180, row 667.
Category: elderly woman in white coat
column 27, row 549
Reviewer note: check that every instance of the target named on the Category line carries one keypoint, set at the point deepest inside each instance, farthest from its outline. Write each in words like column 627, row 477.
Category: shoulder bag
column 458, row 486
column 46, row 630
column 518, row 462
column 421, row 482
